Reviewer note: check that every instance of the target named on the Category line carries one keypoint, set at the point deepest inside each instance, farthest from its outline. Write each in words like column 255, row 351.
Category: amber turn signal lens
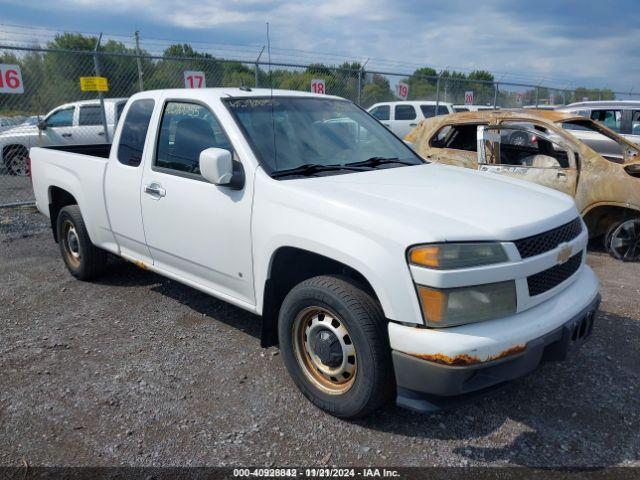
column 427, row 256
column 433, row 303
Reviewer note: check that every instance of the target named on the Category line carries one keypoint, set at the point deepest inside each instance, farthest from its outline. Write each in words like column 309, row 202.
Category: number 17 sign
column 194, row 79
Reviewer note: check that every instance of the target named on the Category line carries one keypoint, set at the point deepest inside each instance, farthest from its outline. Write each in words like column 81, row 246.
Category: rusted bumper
column 425, row 385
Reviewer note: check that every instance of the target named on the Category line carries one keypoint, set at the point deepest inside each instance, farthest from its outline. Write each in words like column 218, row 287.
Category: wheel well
column 289, row 267
column 7, row 148
column 600, row 219
column 59, row 198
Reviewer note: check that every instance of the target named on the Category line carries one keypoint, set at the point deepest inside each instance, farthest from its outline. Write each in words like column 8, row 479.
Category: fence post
column 140, row 81
column 96, row 65
column 495, row 95
column 537, row 93
column 437, row 94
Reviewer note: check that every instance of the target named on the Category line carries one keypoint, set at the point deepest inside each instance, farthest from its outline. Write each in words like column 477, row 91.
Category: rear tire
column 335, row 346
column 83, row 259
column 16, row 160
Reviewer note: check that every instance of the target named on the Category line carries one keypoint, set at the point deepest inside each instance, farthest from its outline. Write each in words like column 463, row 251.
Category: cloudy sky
column 560, row 43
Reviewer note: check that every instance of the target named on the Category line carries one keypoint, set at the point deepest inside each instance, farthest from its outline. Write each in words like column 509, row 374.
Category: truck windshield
column 288, row 133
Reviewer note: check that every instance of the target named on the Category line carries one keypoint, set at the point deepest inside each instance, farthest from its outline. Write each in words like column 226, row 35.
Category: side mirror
column 217, row 166
column 42, row 125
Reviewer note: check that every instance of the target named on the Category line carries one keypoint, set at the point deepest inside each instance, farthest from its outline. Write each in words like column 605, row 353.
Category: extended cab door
column 525, row 152
column 123, row 180
column 195, row 230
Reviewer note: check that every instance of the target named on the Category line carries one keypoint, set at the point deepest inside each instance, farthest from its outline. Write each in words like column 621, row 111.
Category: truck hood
column 19, row 131
column 433, row 202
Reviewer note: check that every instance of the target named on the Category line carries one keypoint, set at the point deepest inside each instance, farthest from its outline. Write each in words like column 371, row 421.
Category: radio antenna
column 273, row 124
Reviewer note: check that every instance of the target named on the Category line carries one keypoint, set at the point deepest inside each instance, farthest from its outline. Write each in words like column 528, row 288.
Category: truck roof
column 224, row 92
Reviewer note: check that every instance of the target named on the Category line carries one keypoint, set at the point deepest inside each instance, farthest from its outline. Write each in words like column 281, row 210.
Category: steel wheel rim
column 625, row 241
column 71, row 243
column 308, row 324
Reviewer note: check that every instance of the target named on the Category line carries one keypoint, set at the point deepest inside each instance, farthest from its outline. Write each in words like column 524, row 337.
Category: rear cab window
column 404, row 112
column 134, row 132
column 90, row 115
column 430, row 110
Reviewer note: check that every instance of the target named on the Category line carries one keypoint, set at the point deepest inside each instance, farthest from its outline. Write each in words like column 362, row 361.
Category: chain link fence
column 49, row 107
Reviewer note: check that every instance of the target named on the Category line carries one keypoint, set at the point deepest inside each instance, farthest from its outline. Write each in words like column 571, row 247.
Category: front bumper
column 433, row 366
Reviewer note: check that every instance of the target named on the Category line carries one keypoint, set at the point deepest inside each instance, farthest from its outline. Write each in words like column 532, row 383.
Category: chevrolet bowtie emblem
column 564, row 255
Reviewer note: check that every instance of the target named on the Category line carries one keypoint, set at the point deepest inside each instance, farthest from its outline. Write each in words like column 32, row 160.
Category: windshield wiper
column 375, row 161
column 311, row 169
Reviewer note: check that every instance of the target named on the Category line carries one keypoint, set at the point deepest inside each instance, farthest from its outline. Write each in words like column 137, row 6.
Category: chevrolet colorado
column 376, row 273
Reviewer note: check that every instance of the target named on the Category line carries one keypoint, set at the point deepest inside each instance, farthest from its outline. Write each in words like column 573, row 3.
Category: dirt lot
column 140, row 370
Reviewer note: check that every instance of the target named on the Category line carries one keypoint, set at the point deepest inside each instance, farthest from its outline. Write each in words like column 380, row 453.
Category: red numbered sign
column 403, row 90
column 317, row 86
column 194, row 79
column 468, row 97
column 11, row 79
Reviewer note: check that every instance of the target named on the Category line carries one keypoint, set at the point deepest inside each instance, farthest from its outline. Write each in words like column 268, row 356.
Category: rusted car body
column 538, row 146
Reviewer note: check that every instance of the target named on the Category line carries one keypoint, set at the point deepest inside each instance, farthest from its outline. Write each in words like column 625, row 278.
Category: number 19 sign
column 403, row 90
column 11, row 79
column 194, row 79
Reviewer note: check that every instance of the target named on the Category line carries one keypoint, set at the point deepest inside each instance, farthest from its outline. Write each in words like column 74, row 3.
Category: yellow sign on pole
column 94, row 84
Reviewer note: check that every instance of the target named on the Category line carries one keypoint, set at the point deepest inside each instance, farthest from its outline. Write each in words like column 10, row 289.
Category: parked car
column 539, row 146
column 402, row 117
column 6, row 123
column 374, row 271
column 68, row 124
column 32, row 120
column 621, row 116
column 473, row 108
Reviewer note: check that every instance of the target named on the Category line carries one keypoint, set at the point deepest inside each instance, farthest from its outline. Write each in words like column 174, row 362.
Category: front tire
column 335, row 346
column 83, row 259
column 623, row 240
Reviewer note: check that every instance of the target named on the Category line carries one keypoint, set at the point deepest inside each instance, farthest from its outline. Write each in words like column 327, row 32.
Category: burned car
column 539, row 146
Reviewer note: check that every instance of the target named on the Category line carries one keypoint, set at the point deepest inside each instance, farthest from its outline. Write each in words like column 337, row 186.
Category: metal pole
column 495, row 95
column 138, row 61
column 96, row 65
column 258, row 67
column 536, row 97
column 437, row 94
column 360, row 72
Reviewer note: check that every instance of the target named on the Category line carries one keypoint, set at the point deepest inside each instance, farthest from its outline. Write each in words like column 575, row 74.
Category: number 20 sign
column 194, row 79
column 11, row 79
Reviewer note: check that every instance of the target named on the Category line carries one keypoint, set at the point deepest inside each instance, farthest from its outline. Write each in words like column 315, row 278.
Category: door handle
column 562, row 175
column 66, row 135
column 155, row 190
column 413, row 124
column 101, row 133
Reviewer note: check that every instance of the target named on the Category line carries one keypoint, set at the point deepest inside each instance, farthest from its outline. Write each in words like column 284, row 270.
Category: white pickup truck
column 376, row 273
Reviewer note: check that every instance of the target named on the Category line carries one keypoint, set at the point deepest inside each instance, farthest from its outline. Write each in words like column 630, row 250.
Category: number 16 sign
column 194, row 79
column 11, row 79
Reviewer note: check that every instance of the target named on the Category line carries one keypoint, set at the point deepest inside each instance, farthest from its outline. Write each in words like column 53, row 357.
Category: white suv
column 69, row 124
column 402, row 117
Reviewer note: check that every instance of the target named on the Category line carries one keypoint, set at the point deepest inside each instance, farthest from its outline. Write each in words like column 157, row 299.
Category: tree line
column 52, row 78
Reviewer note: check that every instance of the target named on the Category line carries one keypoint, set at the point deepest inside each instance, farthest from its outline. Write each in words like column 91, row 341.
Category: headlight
column 446, row 256
column 457, row 306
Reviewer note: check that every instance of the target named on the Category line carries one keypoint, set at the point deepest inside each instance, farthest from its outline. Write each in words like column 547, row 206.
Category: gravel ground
column 15, row 189
column 139, row 370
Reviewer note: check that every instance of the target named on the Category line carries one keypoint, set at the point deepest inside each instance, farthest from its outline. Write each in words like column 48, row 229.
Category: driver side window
column 61, row 118
column 523, row 147
column 186, row 130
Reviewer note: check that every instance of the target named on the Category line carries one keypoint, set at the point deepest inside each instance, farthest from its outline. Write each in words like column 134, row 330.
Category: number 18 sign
column 194, row 79
column 11, row 79
column 317, row 86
